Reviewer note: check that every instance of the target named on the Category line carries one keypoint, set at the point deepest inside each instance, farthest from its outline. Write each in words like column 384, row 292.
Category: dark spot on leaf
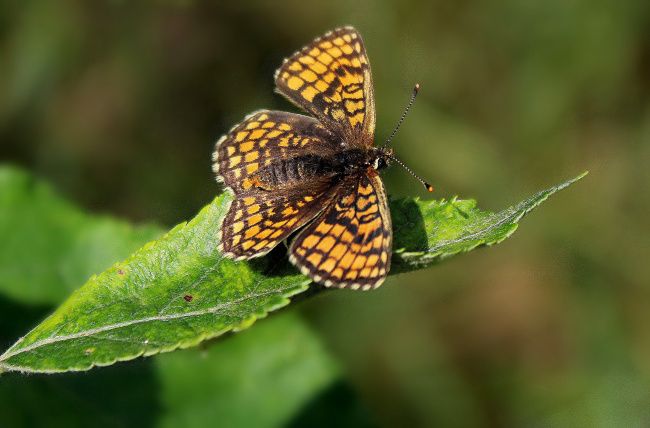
column 89, row 351
column 120, row 272
column 188, row 298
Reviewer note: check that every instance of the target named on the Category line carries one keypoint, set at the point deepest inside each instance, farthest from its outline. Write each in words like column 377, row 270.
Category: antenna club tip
column 429, row 187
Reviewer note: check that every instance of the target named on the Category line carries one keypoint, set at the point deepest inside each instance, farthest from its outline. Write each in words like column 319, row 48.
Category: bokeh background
column 118, row 106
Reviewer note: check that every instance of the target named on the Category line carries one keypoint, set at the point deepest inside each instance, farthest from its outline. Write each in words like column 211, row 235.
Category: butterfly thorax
column 289, row 172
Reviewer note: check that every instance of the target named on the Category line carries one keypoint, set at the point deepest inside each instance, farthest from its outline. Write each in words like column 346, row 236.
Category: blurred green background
column 118, row 106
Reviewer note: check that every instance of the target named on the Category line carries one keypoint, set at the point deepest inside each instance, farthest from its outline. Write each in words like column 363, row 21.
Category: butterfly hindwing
column 265, row 137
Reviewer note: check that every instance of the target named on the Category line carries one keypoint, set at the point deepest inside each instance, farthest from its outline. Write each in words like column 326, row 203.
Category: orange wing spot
column 325, row 58
column 351, row 275
column 308, row 76
column 284, row 127
column 247, row 146
column 318, row 67
column 373, row 259
column 262, row 143
column 338, row 41
column 234, row 161
column 288, row 211
column 268, row 125
column 356, row 95
column 238, row 215
column 251, row 156
column 235, row 240
column 335, row 52
column 326, row 44
column 301, row 251
column 252, row 168
column 347, row 237
column 292, row 221
column 329, row 77
column 324, row 228
column 230, row 150
column 284, row 142
column 253, row 125
column 311, row 241
column 349, row 79
column 346, row 261
column 344, row 61
column 253, row 220
column 251, row 231
column 314, row 258
column 337, row 230
column 307, row 60
column 326, row 244
column 273, row 134
column 277, row 233
column 309, row 93
column 328, row 266
column 249, row 201
column 366, row 190
column 240, row 136
column 353, row 106
column 247, row 245
column 257, row 134
column 359, row 262
column 375, row 272
column 384, row 257
column 356, row 119
column 264, row 234
column 347, row 38
column 260, row 245
column 356, row 63
column 263, row 116
column 314, row 52
column 338, row 251
column 237, row 227
column 295, row 66
column 321, row 86
column 308, row 198
column 347, row 49
column 365, row 272
column 338, row 273
column 294, row 83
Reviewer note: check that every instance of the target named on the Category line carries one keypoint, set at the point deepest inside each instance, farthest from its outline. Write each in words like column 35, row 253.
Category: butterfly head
column 381, row 157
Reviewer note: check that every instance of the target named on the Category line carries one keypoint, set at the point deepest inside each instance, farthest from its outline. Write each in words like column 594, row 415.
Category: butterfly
column 315, row 175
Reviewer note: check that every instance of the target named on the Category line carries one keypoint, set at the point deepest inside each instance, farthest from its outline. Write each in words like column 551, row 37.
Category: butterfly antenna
column 426, row 185
column 415, row 92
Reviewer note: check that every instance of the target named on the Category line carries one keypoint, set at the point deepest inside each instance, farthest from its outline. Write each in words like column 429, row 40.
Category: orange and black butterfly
column 288, row 170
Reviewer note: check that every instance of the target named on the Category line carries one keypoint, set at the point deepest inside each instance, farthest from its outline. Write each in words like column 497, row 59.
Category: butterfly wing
column 330, row 78
column 258, row 219
column 265, row 137
column 349, row 244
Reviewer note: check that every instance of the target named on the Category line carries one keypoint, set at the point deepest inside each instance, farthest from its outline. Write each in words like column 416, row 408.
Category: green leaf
column 49, row 246
column 178, row 291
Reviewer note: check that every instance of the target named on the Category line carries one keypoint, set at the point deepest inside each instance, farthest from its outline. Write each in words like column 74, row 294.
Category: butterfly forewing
column 349, row 244
column 330, row 78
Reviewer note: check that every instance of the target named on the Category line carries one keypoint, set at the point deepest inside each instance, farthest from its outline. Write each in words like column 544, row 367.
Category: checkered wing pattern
column 265, row 137
column 349, row 244
column 263, row 213
column 330, row 78
column 258, row 221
